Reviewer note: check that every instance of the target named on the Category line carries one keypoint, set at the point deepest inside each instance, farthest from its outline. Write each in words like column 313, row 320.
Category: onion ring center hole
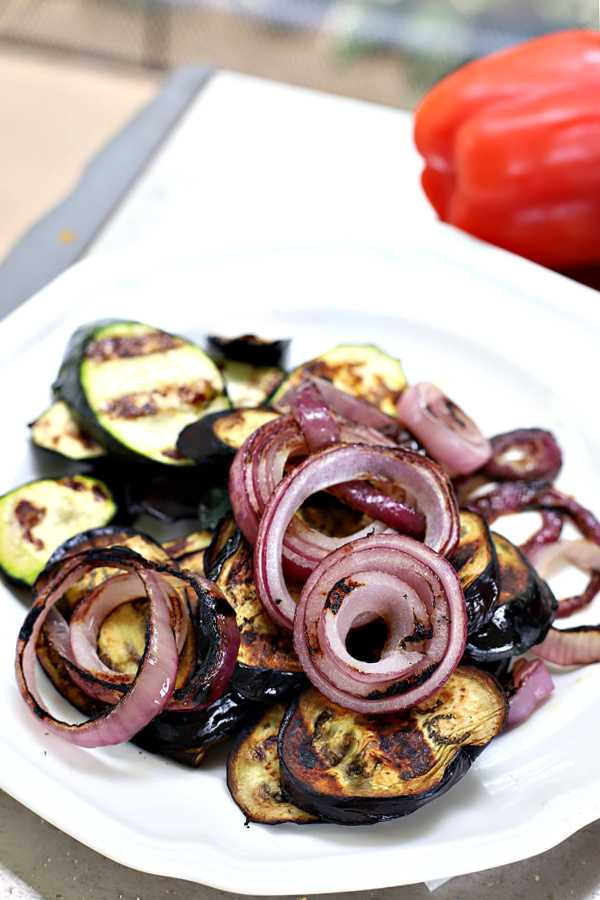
column 366, row 642
column 332, row 518
column 371, row 616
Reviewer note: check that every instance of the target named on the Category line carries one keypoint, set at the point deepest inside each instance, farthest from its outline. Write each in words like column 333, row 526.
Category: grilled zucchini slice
column 136, row 387
column 359, row 369
column 38, row 517
column 58, row 430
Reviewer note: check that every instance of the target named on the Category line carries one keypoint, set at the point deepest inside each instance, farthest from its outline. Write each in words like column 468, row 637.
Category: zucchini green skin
column 362, row 370
column 36, row 518
column 135, row 387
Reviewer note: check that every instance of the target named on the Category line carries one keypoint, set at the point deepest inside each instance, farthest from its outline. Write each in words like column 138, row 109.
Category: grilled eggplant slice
column 267, row 667
column 136, row 387
column 37, row 517
column 59, row 431
column 249, row 348
column 253, row 773
column 166, row 493
column 524, row 611
column 219, row 435
column 195, row 542
column 96, row 538
column 122, row 634
column 359, row 369
column 189, row 551
column 476, row 563
column 186, row 736
column 353, row 769
column 224, row 539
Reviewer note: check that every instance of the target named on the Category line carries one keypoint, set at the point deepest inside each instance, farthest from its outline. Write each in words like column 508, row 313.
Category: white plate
column 515, row 346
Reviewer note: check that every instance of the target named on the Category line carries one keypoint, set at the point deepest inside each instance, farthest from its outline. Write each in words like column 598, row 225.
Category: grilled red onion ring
column 524, row 454
column 321, row 429
column 218, row 640
column 448, row 435
column 99, row 680
column 418, row 595
column 315, row 418
column 549, row 531
column 155, row 682
column 531, row 683
column 153, row 688
column 513, row 497
column 359, row 410
column 578, row 646
column 584, row 555
column 421, row 477
column 260, row 465
column 555, row 506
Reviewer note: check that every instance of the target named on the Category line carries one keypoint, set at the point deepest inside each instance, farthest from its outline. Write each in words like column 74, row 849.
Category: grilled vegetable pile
column 343, row 609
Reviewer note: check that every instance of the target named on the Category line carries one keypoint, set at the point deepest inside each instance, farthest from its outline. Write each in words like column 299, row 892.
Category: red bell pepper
column 511, row 144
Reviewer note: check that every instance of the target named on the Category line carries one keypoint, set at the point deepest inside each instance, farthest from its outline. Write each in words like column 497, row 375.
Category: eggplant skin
column 218, row 436
column 250, row 348
column 476, row 563
column 352, row 769
column 524, row 611
column 186, row 736
column 267, row 668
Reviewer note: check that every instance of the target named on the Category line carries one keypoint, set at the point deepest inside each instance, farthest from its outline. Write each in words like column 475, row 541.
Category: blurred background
column 74, row 71
column 386, row 51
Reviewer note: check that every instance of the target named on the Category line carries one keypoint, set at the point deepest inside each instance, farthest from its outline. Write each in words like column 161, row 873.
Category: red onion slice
column 578, row 646
column 418, row 595
column 421, row 477
column 260, row 464
column 513, row 497
column 448, row 435
column 583, row 554
column 524, row 454
column 321, row 429
column 548, row 532
column 356, row 408
column 315, row 418
column 155, row 680
column 219, row 641
column 532, row 683
column 89, row 614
